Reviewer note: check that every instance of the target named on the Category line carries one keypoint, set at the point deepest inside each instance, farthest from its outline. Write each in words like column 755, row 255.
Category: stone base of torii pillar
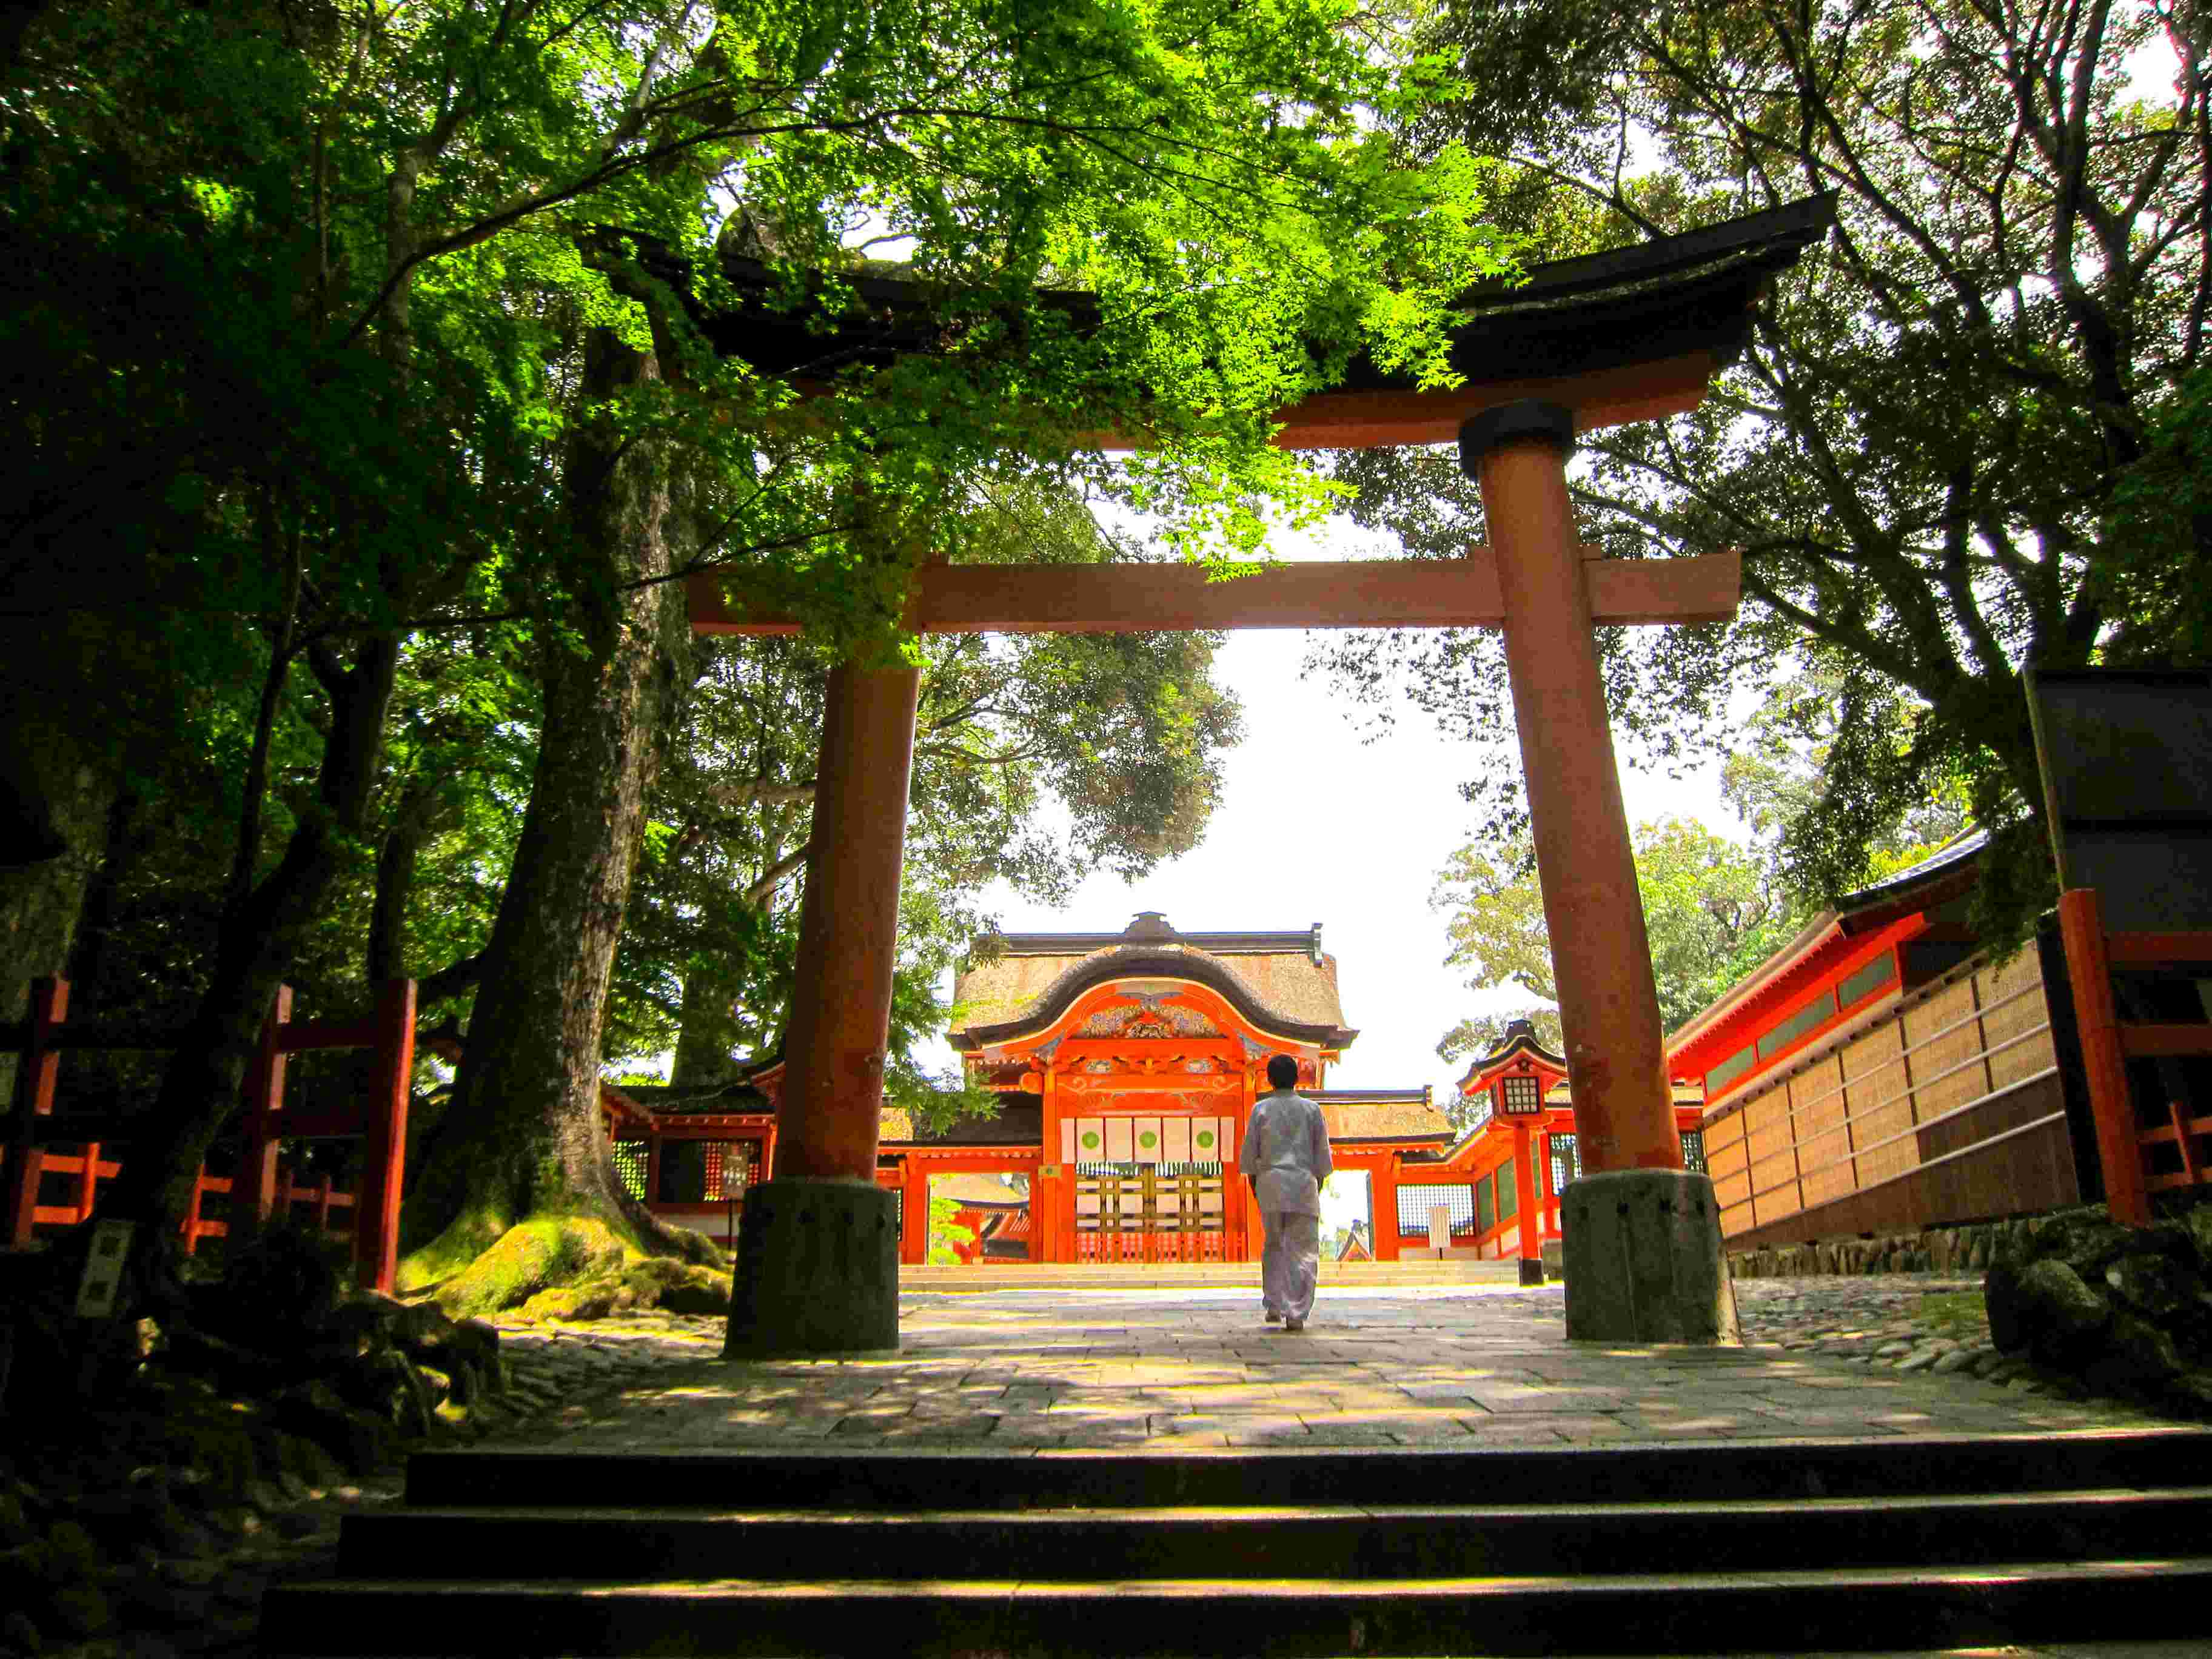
column 1641, row 1253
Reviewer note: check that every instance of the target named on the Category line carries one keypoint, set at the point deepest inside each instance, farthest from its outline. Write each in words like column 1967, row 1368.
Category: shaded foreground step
column 1449, row 1542
column 953, row 1479
column 1769, row 1613
column 1768, row 1547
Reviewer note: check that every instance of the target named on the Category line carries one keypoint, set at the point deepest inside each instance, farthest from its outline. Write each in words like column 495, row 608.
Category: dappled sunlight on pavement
column 1462, row 1366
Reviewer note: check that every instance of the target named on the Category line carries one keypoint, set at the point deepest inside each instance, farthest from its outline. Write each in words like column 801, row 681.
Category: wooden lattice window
column 631, row 1160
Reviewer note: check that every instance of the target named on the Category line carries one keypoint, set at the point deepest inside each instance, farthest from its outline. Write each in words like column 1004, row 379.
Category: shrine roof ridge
column 1219, row 945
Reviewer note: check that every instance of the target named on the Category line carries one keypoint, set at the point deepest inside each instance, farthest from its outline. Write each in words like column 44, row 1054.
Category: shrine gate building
column 1127, row 1065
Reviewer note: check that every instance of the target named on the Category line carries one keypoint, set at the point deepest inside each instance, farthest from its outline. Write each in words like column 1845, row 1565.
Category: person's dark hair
column 1282, row 1071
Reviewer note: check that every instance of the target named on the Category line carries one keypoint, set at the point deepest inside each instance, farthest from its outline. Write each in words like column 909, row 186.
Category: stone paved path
column 1468, row 1366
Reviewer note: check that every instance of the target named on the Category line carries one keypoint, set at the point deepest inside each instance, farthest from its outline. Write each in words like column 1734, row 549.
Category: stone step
column 1332, row 1542
column 936, row 1479
column 1764, row 1612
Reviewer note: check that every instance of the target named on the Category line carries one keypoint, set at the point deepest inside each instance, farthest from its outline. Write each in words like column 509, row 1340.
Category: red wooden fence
column 259, row 1186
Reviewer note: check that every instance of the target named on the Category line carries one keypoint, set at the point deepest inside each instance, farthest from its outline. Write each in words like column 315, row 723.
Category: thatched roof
column 1015, row 985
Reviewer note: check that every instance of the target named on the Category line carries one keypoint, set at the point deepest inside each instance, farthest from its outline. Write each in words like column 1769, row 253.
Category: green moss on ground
column 1952, row 1313
column 638, row 1283
column 532, row 1256
column 571, row 1267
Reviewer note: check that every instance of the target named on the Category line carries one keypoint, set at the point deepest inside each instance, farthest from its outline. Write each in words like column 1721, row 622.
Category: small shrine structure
column 1501, row 1182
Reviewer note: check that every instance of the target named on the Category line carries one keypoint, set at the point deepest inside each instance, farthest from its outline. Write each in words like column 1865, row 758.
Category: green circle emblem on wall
column 1205, row 1137
column 1091, row 1138
column 1148, row 1138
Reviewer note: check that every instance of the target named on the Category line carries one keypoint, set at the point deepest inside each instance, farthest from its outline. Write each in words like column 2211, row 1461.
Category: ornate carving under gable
column 1147, row 1017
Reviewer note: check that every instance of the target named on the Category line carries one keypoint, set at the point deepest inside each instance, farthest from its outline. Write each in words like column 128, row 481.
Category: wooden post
column 2185, row 1138
column 1601, row 957
column 1530, row 1206
column 383, row 1145
column 34, row 1098
column 841, row 1001
column 1382, row 1208
column 88, row 1181
column 253, row 1192
column 2111, row 1104
column 1047, row 1193
column 652, row 1166
column 914, row 1217
column 191, row 1226
column 1240, row 1219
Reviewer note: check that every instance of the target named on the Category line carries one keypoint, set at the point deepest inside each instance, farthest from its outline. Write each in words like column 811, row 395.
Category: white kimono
column 1285, row 1155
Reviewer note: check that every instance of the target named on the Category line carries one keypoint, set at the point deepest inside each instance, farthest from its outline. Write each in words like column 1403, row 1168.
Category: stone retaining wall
column 1969, row 1249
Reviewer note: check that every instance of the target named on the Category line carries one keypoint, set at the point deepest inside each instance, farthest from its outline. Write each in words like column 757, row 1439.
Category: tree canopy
column 378, row 371
column 1960, row 442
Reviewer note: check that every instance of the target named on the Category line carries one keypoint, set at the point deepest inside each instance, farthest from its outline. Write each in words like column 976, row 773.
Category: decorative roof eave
column 1946, row 876
column 1146, row 962
column 1015, row 1154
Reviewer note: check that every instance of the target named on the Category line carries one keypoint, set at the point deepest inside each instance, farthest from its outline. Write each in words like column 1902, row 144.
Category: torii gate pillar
column 817, row 1247
column 1641, row 1249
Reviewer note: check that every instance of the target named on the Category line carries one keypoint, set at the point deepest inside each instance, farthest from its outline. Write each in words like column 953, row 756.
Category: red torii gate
column 1587, row 344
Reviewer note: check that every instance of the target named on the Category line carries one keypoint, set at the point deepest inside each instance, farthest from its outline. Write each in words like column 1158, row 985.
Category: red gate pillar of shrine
column 1052, row 1185
column 1382, row 1208
column 1525, row 1191
column 1641, row 1245
column 1242, row 1237
column 818, row 1245
column 913, row 1214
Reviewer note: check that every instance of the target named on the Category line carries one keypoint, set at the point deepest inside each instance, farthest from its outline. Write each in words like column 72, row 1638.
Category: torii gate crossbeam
column 818, row 1269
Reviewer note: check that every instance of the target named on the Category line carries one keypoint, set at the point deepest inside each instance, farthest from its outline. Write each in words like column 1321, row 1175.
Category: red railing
column 2109, row 1043
column 258, row 1187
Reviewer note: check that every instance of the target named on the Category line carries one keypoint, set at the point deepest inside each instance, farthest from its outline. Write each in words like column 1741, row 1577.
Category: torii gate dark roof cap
column 1650, row 300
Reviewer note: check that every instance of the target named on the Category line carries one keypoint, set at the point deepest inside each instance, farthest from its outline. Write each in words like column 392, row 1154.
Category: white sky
column 1316, row 824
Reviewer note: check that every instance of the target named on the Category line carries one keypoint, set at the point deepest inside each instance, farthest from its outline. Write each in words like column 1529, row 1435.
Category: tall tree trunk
column 707, row 1036
column 522, row 1139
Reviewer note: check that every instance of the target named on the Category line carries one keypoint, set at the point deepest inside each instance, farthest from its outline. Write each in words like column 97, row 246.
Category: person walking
column 1285, row 1157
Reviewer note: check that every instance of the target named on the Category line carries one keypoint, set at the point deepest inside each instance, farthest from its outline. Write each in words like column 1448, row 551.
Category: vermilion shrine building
column 1126, row 1066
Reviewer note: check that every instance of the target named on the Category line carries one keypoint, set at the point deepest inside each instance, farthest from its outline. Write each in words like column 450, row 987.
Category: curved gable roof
column 1289, row 993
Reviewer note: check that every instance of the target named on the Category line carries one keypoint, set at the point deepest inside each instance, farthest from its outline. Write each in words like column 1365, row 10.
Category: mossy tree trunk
column 518, row 1170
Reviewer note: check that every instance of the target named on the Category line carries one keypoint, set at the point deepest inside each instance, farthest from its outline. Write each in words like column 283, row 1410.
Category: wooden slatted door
column 1189, row 1215
column 1148, row 1189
